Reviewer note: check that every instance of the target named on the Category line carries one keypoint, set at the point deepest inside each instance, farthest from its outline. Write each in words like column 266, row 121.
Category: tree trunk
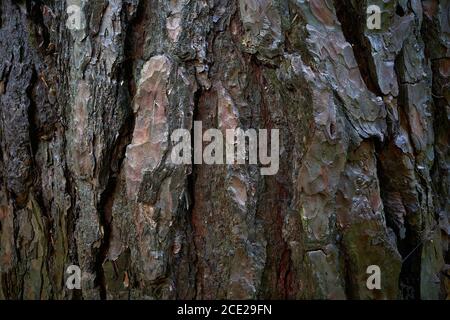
column 88, row 103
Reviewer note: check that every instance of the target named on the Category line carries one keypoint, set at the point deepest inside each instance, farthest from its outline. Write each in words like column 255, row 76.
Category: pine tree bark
column 86, row 178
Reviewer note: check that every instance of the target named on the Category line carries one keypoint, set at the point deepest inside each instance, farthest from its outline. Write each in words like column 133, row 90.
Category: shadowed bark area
column 88, row 106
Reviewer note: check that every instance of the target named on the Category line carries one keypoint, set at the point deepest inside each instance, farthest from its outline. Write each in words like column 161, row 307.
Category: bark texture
column 85, row 171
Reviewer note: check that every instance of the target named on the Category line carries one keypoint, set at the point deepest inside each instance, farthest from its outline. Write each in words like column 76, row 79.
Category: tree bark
column 86, row 179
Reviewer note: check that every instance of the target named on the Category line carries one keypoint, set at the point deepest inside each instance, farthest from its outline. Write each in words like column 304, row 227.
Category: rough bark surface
column 85, row 175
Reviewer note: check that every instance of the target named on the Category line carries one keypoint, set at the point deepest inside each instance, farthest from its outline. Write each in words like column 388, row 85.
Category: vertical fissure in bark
column 347, row 272
column 107, row 199
column 410, row 248
column 439, row 171
column 72, row 216
column 32, row 110
column 191, row 182
column 105, row 212
column 34, row 9
column 279, row 264
column 260, row 59
column 352, row 24
column 124, row 139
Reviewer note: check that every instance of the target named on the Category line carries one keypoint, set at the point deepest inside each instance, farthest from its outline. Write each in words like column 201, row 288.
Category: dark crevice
column 409, row 244
column 72, row 217
column 280, row 274
column 32, row 111
column 135, row 42
column 105, row 212
column 191, row 183
column 40, row 32
column 285, row 273
column 36, row 172
column 352, row 23
column 439, row 171
column 117, row 157
column 399, row 10
column 349, row 287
